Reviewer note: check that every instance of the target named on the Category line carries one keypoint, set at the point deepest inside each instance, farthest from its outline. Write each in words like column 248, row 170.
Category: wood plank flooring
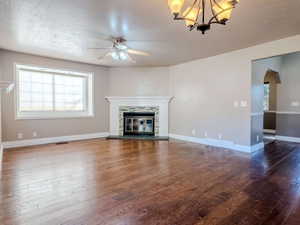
column 134, row 182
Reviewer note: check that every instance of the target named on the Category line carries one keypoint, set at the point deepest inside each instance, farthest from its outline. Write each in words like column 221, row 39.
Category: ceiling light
column 122, row 47
column 175, row 5
column 123, row 55
column 195, row 15
column 115, row 55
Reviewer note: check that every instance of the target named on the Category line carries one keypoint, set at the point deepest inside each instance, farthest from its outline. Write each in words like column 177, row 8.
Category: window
column 49, row 93
column 266, row 96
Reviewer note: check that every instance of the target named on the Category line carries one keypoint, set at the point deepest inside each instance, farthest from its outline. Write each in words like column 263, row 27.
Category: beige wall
column 259, row 70
column 289, row 89
column 288, row 95
column 206, row 89
column 286, row 121
column 53, row 127
column 140, row 81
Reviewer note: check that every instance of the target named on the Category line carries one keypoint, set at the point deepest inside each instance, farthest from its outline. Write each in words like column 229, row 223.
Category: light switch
column 20, row 135
column 295, row 104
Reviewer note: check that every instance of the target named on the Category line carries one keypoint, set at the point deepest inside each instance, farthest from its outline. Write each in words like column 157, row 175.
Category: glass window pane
column 69, row 94
column 50, row 91
column 35, row 88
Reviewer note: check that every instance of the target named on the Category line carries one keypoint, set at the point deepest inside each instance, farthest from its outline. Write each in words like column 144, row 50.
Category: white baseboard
column 259, row 146
column 219, row 143
column 269, row 131
column 50, row 140
column 289, row 139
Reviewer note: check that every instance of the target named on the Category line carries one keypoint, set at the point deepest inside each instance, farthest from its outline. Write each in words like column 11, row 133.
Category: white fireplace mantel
column 140, row 101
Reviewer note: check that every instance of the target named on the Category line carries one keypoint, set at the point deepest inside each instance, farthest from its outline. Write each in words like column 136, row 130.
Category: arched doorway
column 271, row 80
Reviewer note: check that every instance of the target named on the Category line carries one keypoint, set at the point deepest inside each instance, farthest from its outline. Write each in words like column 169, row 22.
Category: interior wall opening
column 276, row 99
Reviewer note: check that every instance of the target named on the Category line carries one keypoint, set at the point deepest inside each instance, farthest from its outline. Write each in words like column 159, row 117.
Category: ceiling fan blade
column 136, row 52
column 146, row 40
column 105, row 48
column 130, row 59
column 105, row 55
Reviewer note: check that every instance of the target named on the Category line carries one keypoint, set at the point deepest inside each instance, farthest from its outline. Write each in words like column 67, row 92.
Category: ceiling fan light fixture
column 123, row 55
column 122, row 47
column 115, row 55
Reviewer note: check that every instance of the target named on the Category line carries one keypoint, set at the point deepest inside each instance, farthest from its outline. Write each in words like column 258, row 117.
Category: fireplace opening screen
column 137, row 123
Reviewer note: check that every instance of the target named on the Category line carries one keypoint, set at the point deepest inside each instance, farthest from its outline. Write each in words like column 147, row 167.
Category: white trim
column 219, row 143
column 49, row 116
column 288, row 112
column 257, row 114
column 7, row 85
column 50, row 140
column 257, row 147
column 88, row 98
column 286, row 138
column 268, row 137
column 269, row 131
column 269, row 111
column 277, row 112
column 139, row 98
column 139, row 101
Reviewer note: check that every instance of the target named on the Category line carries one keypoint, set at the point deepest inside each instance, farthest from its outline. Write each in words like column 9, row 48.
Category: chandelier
column 195, row 15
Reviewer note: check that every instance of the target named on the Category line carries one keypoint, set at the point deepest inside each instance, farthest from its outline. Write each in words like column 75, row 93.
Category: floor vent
column 62, row 143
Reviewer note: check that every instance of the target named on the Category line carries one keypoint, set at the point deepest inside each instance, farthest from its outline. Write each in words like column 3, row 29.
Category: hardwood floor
column 129, row 182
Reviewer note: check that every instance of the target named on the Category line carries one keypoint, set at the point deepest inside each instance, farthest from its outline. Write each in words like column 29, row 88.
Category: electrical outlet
column 194, row 132
column 20, row 135
column 220, row 136
column 34, row 134
column 257, row 138
column 236, row 104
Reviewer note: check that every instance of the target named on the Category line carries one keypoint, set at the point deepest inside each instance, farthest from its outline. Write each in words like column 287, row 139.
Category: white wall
column 139, row 81
column 206, row 89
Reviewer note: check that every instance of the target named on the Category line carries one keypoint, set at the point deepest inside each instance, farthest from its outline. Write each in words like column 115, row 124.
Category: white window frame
column 89, row 109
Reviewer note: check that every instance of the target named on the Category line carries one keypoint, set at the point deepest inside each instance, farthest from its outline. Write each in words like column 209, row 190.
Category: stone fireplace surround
column 157, row 104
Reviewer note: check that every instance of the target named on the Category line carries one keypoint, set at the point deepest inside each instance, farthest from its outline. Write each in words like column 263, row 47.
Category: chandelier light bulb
column 191, row 16
column 175, row 6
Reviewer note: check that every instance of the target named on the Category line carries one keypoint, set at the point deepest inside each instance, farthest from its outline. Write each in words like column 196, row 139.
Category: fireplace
column 139, row 123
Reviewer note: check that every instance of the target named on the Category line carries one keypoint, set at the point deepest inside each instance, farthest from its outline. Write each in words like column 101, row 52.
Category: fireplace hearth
column 139, row 123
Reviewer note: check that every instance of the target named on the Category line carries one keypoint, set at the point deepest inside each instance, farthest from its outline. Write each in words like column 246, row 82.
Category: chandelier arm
column 215, row 16
column 191, row 8
column 203, row 13
column 199, row 7
column 212, row 10
column 217, row 4
column 182, row 18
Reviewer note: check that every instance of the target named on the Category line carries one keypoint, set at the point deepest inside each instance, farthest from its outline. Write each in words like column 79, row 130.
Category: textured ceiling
column 66, row 28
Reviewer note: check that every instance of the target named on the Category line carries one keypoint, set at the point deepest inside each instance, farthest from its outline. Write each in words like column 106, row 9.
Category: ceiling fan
column 119, row 50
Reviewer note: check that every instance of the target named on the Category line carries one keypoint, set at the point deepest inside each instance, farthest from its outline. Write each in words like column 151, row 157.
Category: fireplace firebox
column 139, row 123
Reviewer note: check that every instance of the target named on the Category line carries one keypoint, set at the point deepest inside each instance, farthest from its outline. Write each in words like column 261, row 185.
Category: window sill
column 54, row 116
